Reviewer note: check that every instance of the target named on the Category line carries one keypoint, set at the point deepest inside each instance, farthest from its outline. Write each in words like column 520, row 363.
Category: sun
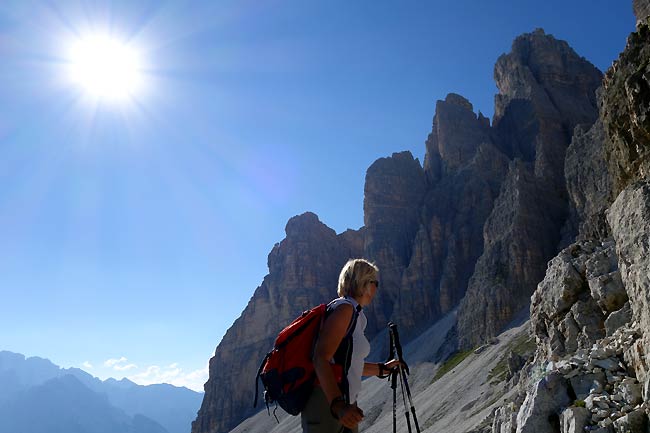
column 105, row 68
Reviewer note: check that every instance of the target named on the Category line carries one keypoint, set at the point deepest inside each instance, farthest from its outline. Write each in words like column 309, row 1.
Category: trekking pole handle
column 395, row 337
column 391, row 345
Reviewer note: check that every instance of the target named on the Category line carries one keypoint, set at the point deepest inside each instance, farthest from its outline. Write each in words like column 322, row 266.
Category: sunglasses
column 375, row 282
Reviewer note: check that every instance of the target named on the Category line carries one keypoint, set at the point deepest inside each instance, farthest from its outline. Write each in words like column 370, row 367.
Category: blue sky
column 134, row 232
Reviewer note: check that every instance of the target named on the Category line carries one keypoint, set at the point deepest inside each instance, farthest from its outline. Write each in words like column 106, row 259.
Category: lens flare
column 105, row 68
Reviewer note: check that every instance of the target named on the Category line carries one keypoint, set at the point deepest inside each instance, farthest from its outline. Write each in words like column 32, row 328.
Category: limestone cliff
column 546, row 89
column 588, row 183
column 626, row 112
column 477, row 222
column 393, row 196
column 591, row 313
column 464, row 170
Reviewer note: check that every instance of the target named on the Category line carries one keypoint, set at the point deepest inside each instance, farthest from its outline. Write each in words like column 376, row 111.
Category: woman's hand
column 390, row 366
column 348, row 414
column 393, row 364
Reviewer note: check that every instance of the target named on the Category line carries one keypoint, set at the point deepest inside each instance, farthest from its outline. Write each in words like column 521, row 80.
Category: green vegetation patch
column 451, row 363
column 522, row 346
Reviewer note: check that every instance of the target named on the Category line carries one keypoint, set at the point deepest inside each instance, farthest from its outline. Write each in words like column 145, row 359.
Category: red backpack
column 287, row 371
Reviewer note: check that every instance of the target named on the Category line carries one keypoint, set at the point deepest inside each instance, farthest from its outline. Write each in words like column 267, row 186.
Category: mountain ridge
column 160, row 408
column 454, row 232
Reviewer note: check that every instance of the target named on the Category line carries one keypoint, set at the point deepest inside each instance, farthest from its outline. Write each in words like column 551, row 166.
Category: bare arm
column 334, row 329
column 373, row 368
column 329, row 339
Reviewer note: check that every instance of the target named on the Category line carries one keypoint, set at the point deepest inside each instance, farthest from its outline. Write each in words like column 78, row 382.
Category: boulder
column 633, row 422
column 606, row 429
column 618, row 319
column 574, row 420
column 583, row 384
column 608, row 291
column 542, row 404
column 631, row 393
column 505, row 420
column 629, row 218
column 590, row 319
column 564, row 314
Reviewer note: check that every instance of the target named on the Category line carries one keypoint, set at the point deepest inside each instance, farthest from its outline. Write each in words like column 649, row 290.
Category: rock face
column 626, row 112
column 548, row 395
column 476, row 223
column 303, row 272
column 464, row 170
column 629, row 218
column 582, row 287
column 641, row 9
column 588, row 183
column 591, row 313
column 457, row 132
column 393, row 196
column 602, row 375
column 546, row 89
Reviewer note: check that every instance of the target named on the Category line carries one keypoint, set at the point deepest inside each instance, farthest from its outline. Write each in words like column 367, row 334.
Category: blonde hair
column 355, row 275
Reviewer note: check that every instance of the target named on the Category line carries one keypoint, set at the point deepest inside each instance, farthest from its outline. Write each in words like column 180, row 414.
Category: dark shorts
column 316, row 416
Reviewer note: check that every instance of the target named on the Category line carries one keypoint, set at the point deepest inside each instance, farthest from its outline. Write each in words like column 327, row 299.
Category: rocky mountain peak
column 303, row 272
column 456, row 134
column 549, row 73
column 546, row 89
column 461, row 101
column 307, row 224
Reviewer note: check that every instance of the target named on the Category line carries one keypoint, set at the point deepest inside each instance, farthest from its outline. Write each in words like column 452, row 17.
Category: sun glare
column 105, row 68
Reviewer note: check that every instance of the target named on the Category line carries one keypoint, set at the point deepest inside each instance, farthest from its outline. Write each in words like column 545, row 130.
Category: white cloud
column 114, row 361
column 124, row 367
column 87, row 365
column 119, row 364
column 173, row 375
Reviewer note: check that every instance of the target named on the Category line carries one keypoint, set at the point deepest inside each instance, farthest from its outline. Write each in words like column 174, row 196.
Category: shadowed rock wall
column 476, row 222
column 546, row 89
column 591, row 313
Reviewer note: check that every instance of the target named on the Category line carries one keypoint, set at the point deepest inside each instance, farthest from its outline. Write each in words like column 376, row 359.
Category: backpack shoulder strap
column 355, row 315
column 257, row 378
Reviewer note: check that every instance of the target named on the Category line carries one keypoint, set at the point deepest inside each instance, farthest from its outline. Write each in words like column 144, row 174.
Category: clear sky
column 135, row 229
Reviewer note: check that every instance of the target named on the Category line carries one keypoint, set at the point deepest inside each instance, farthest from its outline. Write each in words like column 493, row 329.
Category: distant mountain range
column 37, row 396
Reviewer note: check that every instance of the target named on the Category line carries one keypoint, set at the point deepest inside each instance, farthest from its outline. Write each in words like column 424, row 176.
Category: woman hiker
column 339, row 356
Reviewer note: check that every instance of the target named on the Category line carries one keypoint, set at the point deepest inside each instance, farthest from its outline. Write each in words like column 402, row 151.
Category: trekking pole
column 393, row 384
column 393, row 380
column 401, row 382
column 405, row 384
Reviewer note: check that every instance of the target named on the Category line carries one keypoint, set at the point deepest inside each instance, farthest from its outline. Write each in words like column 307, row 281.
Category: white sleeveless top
column 360, row 349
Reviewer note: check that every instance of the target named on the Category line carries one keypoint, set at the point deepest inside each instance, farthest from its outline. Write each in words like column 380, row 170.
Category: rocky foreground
column 591, row 313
